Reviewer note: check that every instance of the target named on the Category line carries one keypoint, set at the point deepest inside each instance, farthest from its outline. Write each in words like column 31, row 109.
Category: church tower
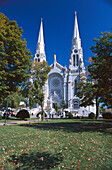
column 76, row 67
column 40, row 55
column 76, row 54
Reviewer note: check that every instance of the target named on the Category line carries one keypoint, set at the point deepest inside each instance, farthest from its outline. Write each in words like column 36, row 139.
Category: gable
column 57, row 67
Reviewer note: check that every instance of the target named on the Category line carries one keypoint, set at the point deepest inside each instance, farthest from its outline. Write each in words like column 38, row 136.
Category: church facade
column 62, row 82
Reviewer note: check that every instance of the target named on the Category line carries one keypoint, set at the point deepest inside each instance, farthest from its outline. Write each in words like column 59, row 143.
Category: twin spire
column 76, row 41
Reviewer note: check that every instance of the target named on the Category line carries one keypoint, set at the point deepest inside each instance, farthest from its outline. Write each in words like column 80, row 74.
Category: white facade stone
column 62, row 82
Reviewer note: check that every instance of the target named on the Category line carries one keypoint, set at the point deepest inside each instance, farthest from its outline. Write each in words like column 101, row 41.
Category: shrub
column 41, row 114
column 77, row 117
column 0, row 117
column 91, row 115
column 22, row 114
column 84, row 117
column 107, row 115
column 70, row 116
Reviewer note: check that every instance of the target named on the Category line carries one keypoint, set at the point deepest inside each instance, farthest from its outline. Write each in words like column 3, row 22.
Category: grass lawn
column 57, row 144
column 14, row 119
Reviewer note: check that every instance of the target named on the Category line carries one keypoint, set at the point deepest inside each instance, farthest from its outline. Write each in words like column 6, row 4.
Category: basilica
column 62, row 81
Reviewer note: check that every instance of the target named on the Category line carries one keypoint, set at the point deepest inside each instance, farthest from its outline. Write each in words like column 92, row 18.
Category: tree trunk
column 97, row 108
column 43, row 113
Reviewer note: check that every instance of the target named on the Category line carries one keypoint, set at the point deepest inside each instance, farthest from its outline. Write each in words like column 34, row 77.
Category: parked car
column 2, row 111
column 5, row 115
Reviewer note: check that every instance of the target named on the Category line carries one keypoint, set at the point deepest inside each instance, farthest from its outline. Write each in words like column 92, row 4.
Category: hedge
column 22, row 114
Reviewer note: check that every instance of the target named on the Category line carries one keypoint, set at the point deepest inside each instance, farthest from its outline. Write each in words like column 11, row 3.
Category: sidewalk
column 19, row 122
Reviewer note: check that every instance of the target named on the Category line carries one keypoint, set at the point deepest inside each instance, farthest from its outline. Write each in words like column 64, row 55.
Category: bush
column 22, row 114
column 91, row 115
column 70, row 116
column 41, row 114
column 0, row 117
column 107, row 115
column 78, row 117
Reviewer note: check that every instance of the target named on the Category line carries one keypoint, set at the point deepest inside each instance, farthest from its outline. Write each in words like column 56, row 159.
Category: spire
column 40, row 43
column 76, row 38
column 76, row 30
column 40, row 55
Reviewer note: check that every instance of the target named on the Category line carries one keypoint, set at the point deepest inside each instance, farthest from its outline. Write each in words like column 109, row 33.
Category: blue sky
column 94, row 16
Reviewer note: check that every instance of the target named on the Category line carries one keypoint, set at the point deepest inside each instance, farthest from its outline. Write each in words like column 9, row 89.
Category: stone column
column 69, row 87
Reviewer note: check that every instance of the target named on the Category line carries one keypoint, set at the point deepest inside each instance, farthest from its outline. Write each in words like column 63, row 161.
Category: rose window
column 55, row 82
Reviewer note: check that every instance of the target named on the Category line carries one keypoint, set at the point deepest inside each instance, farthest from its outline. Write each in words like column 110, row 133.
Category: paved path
column 18, row 122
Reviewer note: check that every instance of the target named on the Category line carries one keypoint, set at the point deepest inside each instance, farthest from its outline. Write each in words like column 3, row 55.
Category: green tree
column 48, row 108
column 14, row 100
column 56, row 107
column 100, row 68
column 88, row 93
column 63, row 105
column 28, row 93
column 14, row 57
column 39, row 75
column 98, row 85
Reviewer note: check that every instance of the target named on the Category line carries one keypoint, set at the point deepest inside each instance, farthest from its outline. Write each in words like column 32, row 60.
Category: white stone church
column 62, row 82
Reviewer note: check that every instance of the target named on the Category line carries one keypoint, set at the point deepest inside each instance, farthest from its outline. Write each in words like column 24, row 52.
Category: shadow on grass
column 36, row 160
column 13, row 119
column 81, row 126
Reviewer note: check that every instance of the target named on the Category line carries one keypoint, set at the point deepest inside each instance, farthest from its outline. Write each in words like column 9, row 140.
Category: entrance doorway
column 53, row 105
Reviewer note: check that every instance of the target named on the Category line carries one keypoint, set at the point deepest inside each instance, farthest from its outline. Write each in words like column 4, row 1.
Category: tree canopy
column 98, row 85
column 35, row 87
column 100, row 67
column 14, row 57
column 14, row 100
column 88, row 93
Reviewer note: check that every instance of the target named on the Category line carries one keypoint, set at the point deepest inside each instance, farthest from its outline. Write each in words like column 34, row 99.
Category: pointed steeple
column 40, row 55
column 76, row 30
column 76, row 42
column 76, row 53
column 40, row 43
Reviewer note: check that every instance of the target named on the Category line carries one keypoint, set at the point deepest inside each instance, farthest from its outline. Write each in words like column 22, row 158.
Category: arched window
column 76, row 104
column 77, row 59
column 73, row 60
column 38, row 59
column 75, row 87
